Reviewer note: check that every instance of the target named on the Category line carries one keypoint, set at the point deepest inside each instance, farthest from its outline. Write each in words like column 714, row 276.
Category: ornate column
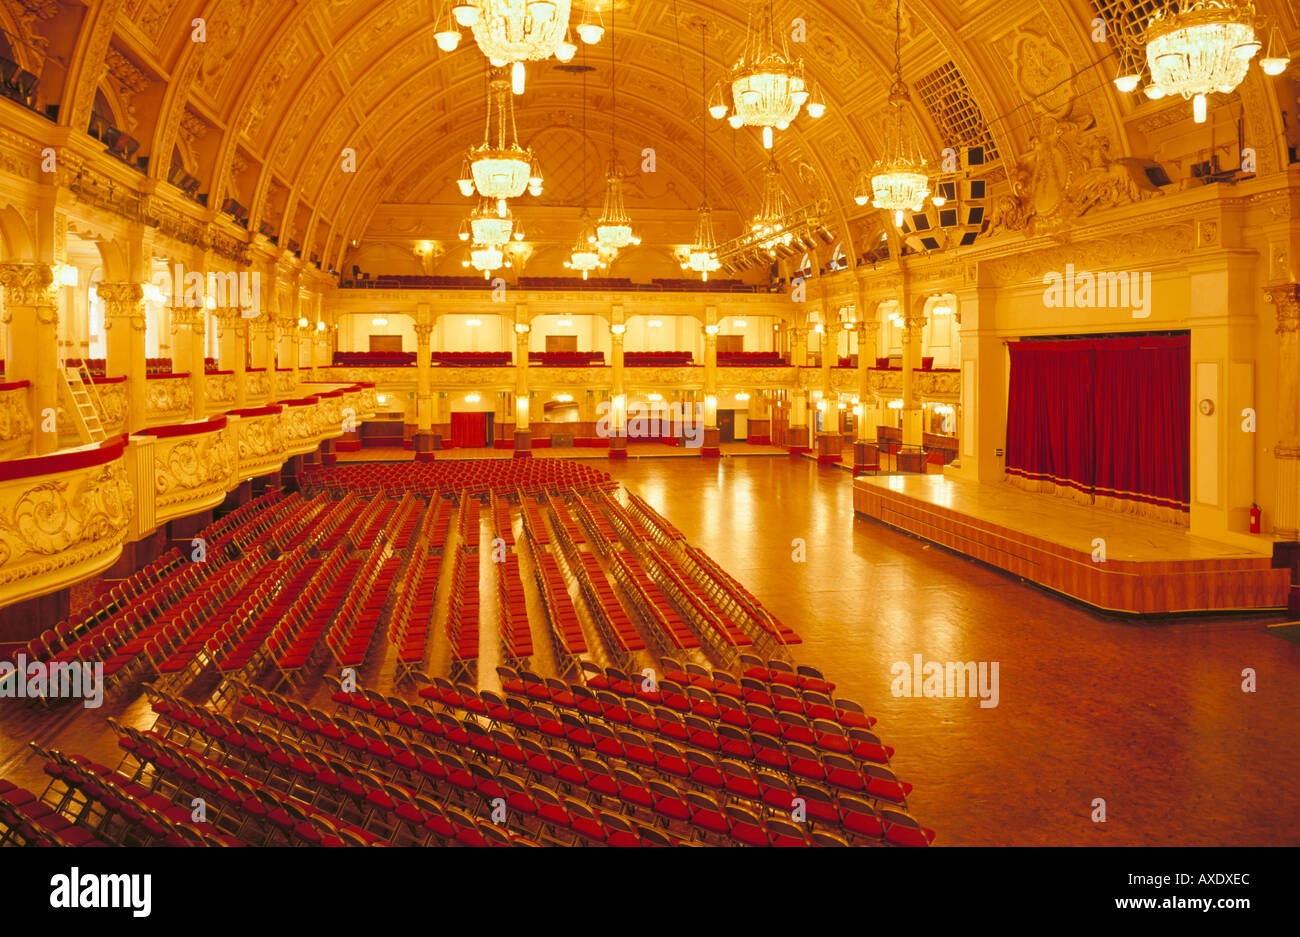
column 261, row 355
column 710, row 449
column 798, row 437
column 232, row 333
column 617, row 395
column 865, row 454
column 913, row 324
column 829, row 440
column 124, row 322
column 523, row 436
column 189, row 330
column 31, row 319
column 424, row 441
column 1286, row 453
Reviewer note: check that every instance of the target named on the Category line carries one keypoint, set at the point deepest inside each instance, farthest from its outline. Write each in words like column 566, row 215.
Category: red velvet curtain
column 469, row 430
column 1143, row 414
column 1049, row 415
column 1103, row 418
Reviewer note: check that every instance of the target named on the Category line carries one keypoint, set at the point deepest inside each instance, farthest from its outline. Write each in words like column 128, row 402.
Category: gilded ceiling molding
column 93, row 64
column 1120, row 252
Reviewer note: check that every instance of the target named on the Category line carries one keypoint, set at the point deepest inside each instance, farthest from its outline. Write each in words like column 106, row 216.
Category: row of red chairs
column 258, row 812
column 239, row 641
column 474, row 758
column 112, row 630
column 462, row 612
column 174, row 652
column 516, row 635
column 501, row 524
column 657, row 613
column 292, row 646
column 675, row 758
column 437, row 523
column 458, row 476
column 564, row 625
column 726, row 589
column 353, row 632
column 25, row 821
column 408, row 627
column 116, row 810
column 534, row 526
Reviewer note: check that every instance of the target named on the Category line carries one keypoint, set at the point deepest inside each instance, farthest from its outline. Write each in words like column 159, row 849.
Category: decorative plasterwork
column 15, row 422
column 1120, row 252
column 167, row 399
column 59, row 528
column 260, row 441
column 1067, row 173
column 28, row 285
column 192, row 472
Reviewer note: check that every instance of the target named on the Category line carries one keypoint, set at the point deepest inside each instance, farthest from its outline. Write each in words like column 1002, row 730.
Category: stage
column 1149, row 567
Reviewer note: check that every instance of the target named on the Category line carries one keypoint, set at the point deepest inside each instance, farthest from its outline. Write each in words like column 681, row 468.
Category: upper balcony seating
column 691, row 285
column 405, row 359
column 597, row 284
column 473, row 359
column 656, row 359
column 750, row 359
column 389, row 281
column 374, row 359
column 567, row 359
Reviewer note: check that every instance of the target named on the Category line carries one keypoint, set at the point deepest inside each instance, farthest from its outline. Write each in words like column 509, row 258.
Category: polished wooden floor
column 1149, row 717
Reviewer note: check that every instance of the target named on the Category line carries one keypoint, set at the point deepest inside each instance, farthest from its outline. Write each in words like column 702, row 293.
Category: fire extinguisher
column 1254, row 518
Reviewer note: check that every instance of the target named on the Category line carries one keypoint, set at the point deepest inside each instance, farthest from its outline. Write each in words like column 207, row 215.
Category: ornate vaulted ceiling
column 262, row 110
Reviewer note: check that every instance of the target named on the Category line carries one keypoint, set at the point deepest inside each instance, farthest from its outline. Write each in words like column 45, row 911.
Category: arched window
column 98, row 339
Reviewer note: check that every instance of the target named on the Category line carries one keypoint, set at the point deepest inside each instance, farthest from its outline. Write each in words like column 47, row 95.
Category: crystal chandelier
column 586, row 254
column 769, row 229
column 499, row 168
column 1198, row 48
column 486, row 258
column 489, row 225
column 898, row 180
column 512, row 32
column 614, row 230
column 702, row 256
column 768, row 86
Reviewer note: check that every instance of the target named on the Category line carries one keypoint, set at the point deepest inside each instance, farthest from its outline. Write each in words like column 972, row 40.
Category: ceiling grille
column 954, row 111
column 1126, row 20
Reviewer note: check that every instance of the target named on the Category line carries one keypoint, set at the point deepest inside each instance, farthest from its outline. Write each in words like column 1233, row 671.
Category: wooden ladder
column 86, row 408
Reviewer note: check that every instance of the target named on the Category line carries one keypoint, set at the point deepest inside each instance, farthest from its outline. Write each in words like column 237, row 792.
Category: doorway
column 726, row 426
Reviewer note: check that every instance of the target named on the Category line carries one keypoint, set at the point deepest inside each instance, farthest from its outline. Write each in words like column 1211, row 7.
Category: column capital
column 866, row 328
column 188, row 317
column 28, row 285
column 1287, row 300
column 262, row 325
column 123, row 301
column 230, row 321
column 423, row 332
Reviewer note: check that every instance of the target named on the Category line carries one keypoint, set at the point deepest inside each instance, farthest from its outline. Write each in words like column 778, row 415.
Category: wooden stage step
column 1149, row 568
